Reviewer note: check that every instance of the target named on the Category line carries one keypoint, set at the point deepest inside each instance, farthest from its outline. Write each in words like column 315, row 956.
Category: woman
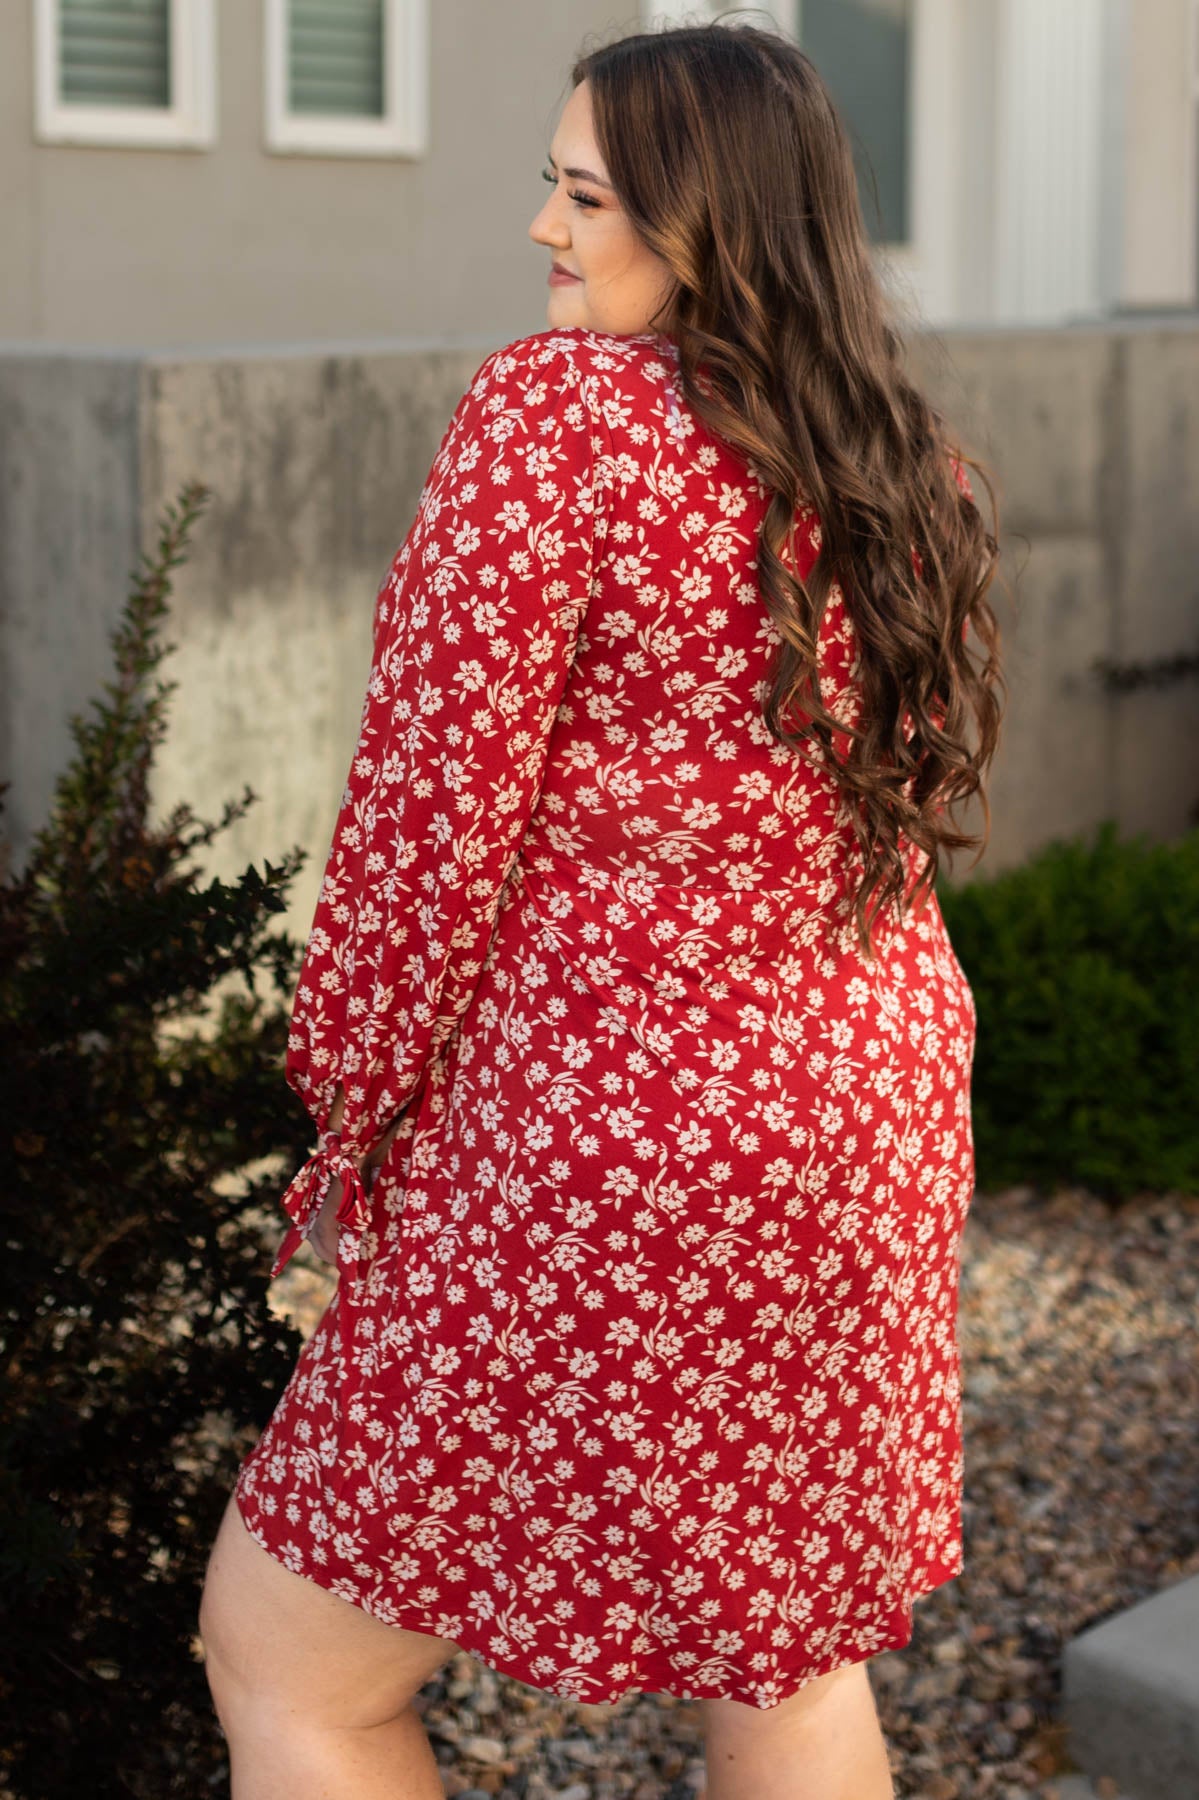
column 638, row 1053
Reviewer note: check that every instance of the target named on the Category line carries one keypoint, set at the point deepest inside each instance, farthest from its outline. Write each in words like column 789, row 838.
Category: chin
column 564, row 307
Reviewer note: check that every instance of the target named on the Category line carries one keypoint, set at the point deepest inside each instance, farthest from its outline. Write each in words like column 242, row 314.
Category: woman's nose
column 545, row 229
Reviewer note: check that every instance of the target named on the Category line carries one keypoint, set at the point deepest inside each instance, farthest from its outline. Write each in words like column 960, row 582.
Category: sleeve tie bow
column 304, row 1196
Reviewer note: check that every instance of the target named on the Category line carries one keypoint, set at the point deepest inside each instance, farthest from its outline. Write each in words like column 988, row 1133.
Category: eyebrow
column 582, row 175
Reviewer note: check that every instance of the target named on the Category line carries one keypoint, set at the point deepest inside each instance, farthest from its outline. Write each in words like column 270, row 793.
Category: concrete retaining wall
column 316, row 461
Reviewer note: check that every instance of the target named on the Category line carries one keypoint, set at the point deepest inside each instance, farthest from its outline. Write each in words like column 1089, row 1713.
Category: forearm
column 373, row 1156
column 322, row 1234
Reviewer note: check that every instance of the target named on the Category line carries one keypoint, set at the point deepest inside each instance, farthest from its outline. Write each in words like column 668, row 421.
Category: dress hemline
column 512, row 1668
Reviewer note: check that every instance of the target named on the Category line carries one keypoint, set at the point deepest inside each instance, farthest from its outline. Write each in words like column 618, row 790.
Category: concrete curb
column 1078, row 1787
column 1130, row 1696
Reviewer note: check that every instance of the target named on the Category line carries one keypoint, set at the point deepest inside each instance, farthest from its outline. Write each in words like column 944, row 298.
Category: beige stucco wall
column 102, row 246
column 232, row 244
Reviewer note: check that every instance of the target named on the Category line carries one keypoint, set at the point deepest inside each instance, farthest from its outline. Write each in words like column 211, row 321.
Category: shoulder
column 565, row 354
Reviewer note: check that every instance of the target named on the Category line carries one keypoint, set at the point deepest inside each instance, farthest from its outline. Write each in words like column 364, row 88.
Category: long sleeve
column 475, row 628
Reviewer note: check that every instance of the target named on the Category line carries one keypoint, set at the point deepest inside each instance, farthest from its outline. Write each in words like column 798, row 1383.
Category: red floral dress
column 641, row 1372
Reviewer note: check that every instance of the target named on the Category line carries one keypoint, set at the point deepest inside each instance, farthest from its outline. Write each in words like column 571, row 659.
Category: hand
column 371, row 1161
column 373, row 1158
column 325, row 1229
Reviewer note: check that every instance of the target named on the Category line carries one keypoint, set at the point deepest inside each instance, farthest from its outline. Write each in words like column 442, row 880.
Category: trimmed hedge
column 1085, row 968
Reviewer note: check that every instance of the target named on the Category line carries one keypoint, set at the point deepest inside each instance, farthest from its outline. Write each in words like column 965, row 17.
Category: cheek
column 650, row 270
column 623, row 250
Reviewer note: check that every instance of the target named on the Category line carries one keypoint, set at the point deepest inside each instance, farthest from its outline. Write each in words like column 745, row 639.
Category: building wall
column 1160, row 236
column 316, row 464
column 1053, row 164
column 149, row 247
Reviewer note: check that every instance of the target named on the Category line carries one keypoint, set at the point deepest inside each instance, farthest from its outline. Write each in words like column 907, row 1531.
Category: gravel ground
column 1081, row 1408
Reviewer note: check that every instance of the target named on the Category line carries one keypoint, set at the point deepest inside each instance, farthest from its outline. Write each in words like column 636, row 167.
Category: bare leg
column 824, row 1743
column 313, row 1694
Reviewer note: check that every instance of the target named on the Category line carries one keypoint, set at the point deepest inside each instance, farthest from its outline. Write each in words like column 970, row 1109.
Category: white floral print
column 642, row 1369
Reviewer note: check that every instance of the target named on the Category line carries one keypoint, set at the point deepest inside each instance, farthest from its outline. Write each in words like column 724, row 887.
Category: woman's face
column 618, row 282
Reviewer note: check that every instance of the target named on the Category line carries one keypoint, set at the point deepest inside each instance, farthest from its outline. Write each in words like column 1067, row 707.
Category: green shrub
column 1085, row 968
column 142, row 1033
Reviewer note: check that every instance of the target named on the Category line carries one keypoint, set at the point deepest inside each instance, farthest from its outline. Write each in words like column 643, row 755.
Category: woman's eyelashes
column 583, row 199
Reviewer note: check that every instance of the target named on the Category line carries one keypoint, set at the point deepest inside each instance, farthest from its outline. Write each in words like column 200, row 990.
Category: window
column 862, row 49
column 124, row 72
column 346, row 77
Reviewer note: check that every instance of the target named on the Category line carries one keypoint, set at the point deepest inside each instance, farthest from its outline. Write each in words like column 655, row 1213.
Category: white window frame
column 404, row 128
column 926, row 263
column 189, row 123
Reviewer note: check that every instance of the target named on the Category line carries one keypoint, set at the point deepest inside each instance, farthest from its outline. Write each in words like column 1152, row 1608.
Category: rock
column 486, row 1694
column 482, row 1749
column 581, row 1750
column 942, row 1787
column 596, row 1718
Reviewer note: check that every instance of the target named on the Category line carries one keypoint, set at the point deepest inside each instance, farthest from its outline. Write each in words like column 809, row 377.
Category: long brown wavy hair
column 729, row 156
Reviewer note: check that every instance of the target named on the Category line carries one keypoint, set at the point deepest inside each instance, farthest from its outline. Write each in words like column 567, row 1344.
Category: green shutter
column 115, row 52
column 335, row 58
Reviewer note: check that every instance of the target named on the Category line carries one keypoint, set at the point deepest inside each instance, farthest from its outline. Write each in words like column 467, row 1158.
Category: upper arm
column 476, row 626
column 500, row 551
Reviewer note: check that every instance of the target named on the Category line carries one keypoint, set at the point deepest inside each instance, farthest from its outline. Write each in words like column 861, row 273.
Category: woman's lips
column 559, row 277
